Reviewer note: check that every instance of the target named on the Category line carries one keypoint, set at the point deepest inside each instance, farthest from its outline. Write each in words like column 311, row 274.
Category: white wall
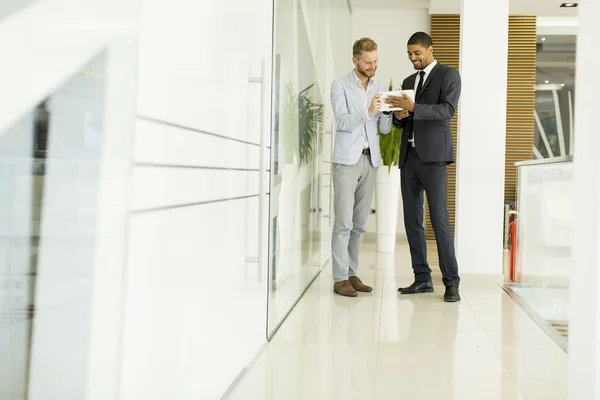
column 390, row 28
column 584, row 304
column 195, row 309
column 481, row 152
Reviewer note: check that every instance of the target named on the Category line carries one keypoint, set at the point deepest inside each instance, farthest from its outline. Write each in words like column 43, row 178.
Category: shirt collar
column 430, row 67
column 357, row 79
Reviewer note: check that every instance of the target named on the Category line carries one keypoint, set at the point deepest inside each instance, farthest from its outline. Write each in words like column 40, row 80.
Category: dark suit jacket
column 434, row 108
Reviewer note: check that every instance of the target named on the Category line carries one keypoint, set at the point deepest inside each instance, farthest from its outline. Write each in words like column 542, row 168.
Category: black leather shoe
column 417, row 287
column 451, row 295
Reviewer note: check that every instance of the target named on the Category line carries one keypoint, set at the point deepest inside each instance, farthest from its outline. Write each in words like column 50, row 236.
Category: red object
column 513, row 247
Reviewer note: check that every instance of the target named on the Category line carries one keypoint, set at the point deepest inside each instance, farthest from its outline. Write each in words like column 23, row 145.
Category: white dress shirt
column 365, row 100
column 427, row 71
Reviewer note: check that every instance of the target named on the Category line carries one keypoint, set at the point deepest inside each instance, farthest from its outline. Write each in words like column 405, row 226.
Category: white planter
column 388, row 199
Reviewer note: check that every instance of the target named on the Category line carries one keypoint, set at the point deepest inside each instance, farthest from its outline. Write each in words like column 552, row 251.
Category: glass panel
column 49, row 175
column 555, row 95
column 8, row 7
column 296, row 171
column 544, row 244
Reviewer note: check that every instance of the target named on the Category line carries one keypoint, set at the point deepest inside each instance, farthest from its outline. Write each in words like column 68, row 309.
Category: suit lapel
column 428, row 81
column 412, row 80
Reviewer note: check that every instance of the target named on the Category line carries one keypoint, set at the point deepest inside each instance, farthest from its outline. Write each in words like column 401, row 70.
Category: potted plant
column 300, row 137
column 303, row 119
column 388, row 189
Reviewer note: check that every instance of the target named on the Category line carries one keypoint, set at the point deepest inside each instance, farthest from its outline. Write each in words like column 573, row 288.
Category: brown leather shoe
column 358, row 285
column 344, row 288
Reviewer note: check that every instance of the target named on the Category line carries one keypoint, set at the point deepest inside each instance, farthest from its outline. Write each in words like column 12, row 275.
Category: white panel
column 254, row 112
column 194, row 309
column 75, row 32
column 163, row 144
column 113, row 202
column 162, row 187
column 327, row 200
column 479, row 213
column 546, row 224
column 584, row 335
column 7, row 8
column 195, row 68
column 327, row 145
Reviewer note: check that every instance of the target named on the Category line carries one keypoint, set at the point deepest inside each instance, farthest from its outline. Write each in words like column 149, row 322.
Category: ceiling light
column 547, row 81
column 543, row 39
column 562, row 84
column 569, row 4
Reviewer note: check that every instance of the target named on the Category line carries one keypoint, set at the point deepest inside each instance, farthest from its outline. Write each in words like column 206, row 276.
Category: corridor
column 385, row 346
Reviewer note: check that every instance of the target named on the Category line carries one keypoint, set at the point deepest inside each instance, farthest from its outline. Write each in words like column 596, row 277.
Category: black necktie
column 420, row 85
column 419, row 88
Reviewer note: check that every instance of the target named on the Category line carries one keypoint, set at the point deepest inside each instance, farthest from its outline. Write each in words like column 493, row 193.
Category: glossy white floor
column 386, row 346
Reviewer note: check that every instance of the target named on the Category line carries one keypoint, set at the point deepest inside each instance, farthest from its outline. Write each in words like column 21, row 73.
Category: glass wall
column 303, row 67
column 555, row 95
column 50, row 165
column 63, row 202
column 544, row 221
column 9, row 7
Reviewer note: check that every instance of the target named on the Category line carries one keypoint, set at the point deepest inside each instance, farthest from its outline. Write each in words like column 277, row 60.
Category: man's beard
column 365, row 73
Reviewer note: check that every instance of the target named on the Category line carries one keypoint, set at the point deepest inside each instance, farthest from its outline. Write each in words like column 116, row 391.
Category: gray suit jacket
column 434, row 108
column 352, row 120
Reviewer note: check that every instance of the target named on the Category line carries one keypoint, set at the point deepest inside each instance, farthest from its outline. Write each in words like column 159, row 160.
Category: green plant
column 310, row 122
column 302, row 119
column 389, row 144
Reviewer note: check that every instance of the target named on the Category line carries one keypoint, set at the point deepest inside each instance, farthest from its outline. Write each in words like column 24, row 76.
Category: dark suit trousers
column 417, row 177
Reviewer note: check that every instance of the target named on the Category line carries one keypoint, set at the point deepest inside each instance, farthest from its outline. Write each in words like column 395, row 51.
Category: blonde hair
column 363, row 44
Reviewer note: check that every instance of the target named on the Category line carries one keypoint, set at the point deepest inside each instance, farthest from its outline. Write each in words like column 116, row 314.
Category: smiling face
column 366, row 64
column 420, row 56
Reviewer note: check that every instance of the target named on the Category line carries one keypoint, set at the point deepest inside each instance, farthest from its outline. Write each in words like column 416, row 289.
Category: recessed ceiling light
column 543, row 39
column 547, row 81
column 569, row 4
column 562, row 84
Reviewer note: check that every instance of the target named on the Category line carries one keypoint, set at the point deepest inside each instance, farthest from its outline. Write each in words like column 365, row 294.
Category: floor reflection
column 547, row 306
column 389, row 346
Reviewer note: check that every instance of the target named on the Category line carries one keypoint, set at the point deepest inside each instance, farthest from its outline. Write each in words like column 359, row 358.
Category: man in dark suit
column 425, row 152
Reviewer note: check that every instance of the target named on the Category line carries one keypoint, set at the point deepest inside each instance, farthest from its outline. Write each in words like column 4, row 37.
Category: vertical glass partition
column 311, row 48
column 555, row 95
column 296, row 167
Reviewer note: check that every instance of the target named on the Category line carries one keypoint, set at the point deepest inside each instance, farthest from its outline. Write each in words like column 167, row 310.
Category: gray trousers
column 353, row 190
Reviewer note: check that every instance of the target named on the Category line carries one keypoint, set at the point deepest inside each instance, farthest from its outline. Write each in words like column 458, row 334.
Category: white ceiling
column 538, row 7
column 359, row 4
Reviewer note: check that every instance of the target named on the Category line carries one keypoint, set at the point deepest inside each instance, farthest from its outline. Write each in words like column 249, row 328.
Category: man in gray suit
column 425, row 152
column 356, row 99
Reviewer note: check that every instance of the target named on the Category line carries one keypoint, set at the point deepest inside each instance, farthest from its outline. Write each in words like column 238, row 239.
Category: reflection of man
column 356, row 100
column 425, row 151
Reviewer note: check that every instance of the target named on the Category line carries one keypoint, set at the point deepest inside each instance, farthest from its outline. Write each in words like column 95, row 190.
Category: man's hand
column 375, row 104
column 400, row 114
column 401, row 102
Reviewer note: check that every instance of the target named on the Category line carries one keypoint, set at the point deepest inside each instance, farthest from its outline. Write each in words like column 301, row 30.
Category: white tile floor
column 386, row 346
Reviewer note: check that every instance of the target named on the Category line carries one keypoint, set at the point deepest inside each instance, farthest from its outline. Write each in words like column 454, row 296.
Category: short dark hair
column 421, row 38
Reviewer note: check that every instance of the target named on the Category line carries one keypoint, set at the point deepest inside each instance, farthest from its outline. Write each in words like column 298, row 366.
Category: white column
column 584, row 339
column 481, row 137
